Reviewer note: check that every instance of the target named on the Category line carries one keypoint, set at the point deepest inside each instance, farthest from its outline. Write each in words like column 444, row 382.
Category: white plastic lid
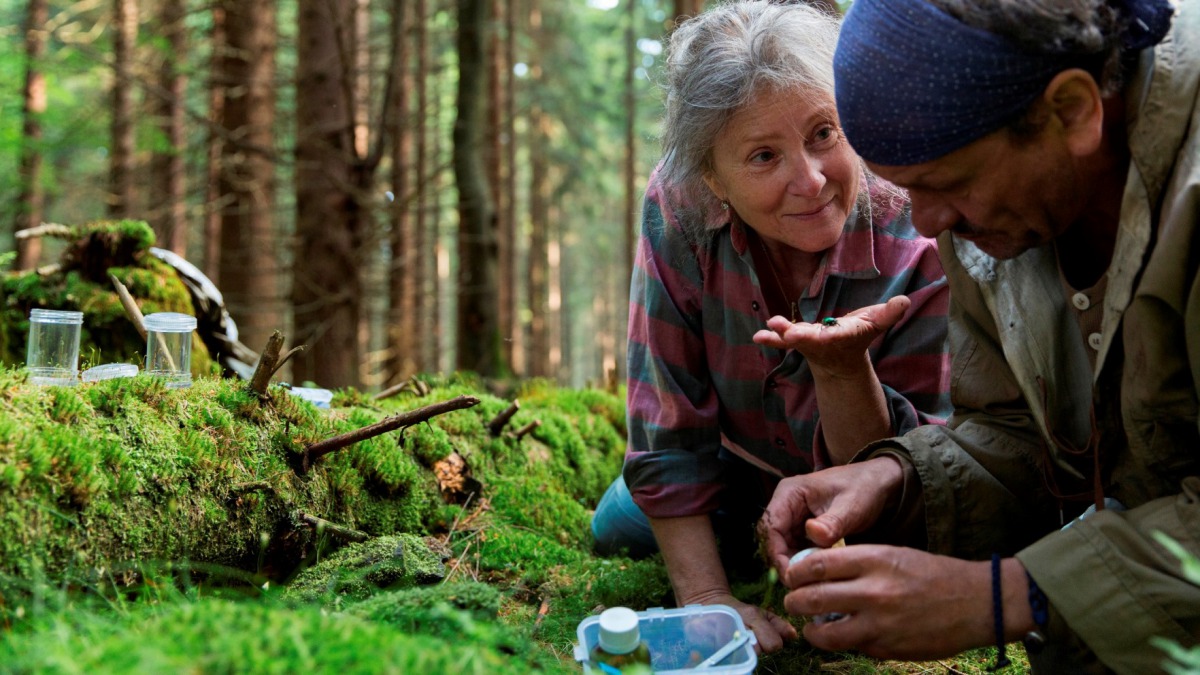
column 318, row 397
column 619, row 630
column 109, row 371
column 56, row 316
column 169, row 322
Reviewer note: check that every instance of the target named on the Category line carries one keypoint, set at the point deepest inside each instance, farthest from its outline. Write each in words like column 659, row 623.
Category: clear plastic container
column 169, row 347
column 318, row 397
column 682, row 639
column 109, row 371
column 52, row 355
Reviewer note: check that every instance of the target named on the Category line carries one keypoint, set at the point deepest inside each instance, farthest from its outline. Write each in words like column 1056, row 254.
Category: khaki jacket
column 1024, row 390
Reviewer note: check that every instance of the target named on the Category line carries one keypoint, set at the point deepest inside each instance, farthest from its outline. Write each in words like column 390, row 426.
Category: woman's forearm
column 853, row 409
column 689, row 549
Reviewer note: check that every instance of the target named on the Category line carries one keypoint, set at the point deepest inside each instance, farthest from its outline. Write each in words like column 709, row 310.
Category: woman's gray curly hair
column 719, row 61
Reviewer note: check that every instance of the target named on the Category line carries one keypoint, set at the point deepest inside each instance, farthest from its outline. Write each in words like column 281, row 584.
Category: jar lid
column 56, row 316
column 619, row 630
column 109, row 371
column 169, row 322
column 318, row 397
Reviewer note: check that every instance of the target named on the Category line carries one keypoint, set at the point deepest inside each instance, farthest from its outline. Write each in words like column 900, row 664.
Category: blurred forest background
column 405, row 186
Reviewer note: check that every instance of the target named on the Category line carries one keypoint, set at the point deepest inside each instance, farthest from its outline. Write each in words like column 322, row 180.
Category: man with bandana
column 1054, row 149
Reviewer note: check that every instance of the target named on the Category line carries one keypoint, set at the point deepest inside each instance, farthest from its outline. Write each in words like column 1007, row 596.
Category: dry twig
column 498, row 422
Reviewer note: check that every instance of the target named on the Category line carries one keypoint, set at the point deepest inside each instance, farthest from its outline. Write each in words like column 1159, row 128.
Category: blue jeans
column 620, row 526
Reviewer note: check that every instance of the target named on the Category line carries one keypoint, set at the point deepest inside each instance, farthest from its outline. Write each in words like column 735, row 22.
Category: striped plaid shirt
column 697, row 382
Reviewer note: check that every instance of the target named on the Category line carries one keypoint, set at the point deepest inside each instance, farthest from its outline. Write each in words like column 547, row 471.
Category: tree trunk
column 509, row 277
column 402, row 340
column 327, row 284
column 168, row 208
column 538, row 281
column 419, row 302
column 249, row 267
column 632, row 189
column 31, row 203
column 214, row 148
column 477, row 325
column 497, row 168
column 121, row 162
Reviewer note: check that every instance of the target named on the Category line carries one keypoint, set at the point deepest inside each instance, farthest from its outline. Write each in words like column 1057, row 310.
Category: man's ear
column 1075, row 103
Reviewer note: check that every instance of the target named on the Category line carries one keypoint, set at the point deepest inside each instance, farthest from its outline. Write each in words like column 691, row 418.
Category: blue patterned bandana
column 913, row 83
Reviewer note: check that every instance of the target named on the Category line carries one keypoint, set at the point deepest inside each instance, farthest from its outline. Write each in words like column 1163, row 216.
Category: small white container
column 682, row 638
column 318, row 397
column 52, row 355
column 109, row 371
column 169, row 347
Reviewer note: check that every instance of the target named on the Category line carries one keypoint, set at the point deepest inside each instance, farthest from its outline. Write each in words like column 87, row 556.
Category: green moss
column 359, row 569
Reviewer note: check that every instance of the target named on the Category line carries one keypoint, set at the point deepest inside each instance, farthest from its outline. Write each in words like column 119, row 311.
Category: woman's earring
column 724, row 205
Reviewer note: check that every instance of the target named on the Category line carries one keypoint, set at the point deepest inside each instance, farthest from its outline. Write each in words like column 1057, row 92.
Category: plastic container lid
column 318, row 397
column 169, row 322
column 56, row 316
column 109, row 371
column 619, row 630
column 683, row 638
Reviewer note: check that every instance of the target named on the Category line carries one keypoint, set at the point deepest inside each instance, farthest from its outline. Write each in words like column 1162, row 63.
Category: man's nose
column 931, row 217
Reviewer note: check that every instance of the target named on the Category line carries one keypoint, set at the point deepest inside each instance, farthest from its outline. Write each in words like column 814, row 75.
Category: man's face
column 1005, row 195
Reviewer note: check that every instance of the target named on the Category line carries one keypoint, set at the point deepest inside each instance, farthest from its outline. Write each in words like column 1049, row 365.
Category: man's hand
column 770, row 629
column 901, row 603
column 825, row 506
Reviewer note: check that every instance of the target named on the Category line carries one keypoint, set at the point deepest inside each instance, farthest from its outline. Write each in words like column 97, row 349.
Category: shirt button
column 754, row 305
column 1080, row 301
column 772, row 384
column 1094, row 341
column 780, row 442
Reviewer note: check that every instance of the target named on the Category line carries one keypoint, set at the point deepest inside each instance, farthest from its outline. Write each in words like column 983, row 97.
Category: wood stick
column 139, row 322
column 266, row 365
column 497, row 424
column 131, row 309
column 392, row 390
column 520, row 433
column 322, row 525
column 284, row 359
column 319, row 449
column 43, row 230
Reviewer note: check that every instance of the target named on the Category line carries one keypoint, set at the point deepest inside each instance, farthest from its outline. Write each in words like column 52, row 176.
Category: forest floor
column 144, row 529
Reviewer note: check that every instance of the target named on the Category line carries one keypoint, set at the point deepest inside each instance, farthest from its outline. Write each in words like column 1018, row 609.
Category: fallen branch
column 520, row 433
column 543, row 610
column 418, row 387
column 266, row 365
column 497, row 424
column 44, row 230
column 253, row 486
column 319, row 449
column 322, row 525
column 286, row 357
column 139, row 322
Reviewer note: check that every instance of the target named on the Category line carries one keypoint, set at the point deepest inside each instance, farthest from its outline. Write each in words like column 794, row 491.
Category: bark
column 632, row 190
column 249, row 262
column 31, row 203
column 497, row 168
column 477, row 325
column 168, row 209
column 331, row 222
column 509, row 259
column 214, row 149
column 402, row 284
column 121, row 162
column 420, row 301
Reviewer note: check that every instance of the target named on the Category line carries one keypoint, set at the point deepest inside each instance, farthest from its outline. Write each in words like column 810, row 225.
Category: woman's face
column 783, row 164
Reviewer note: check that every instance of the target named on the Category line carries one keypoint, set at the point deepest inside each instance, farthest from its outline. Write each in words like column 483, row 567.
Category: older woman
column 783, row 313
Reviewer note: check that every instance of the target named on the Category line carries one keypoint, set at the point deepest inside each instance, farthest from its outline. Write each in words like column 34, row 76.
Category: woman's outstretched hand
column 839, row 347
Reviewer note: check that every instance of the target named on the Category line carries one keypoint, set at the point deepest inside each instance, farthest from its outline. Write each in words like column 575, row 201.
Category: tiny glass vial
column 620, row 648
column 169, row 347
column 52, row 356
